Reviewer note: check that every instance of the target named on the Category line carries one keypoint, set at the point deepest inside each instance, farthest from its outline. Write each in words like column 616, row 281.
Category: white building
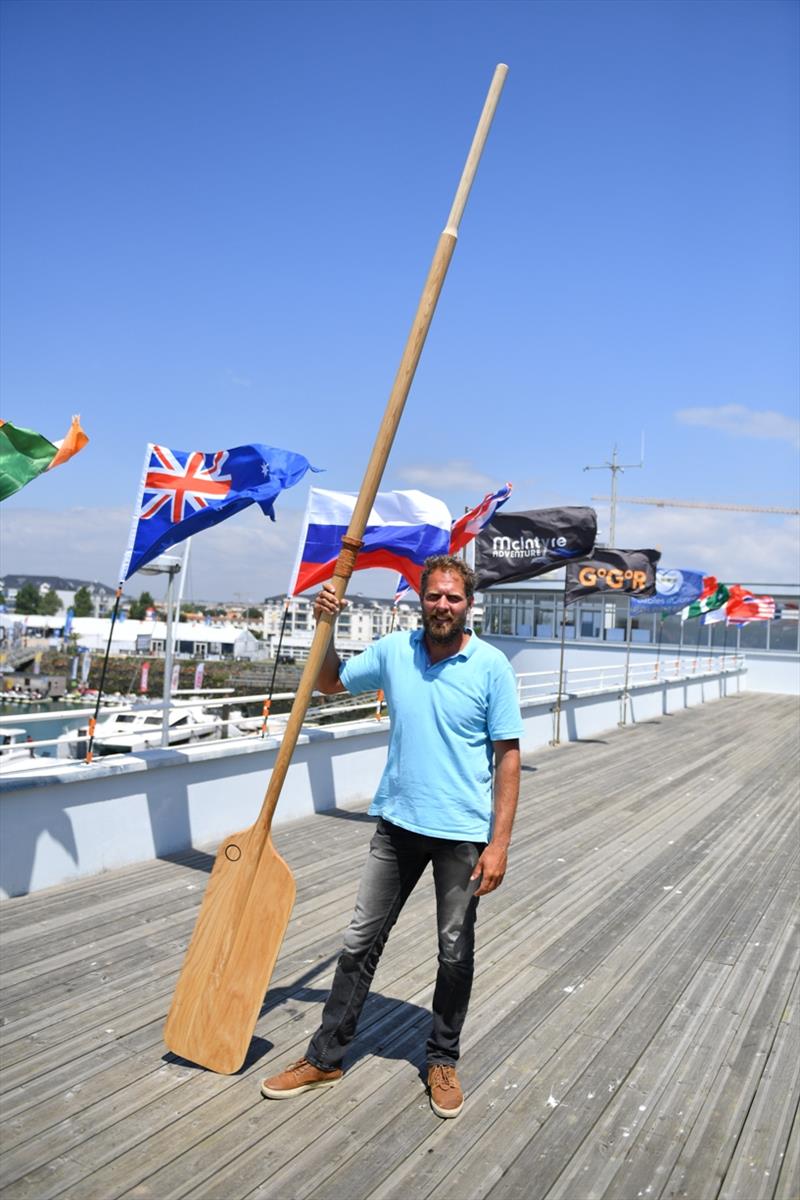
column 364, row 620
column 102, row 596
column 192, row 639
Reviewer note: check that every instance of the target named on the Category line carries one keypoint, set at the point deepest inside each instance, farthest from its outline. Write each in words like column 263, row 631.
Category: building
column 101, row 595
column 365, row 619
column 533, row 610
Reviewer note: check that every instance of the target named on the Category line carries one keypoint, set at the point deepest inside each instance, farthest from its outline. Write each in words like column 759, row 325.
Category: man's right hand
column 326, row 602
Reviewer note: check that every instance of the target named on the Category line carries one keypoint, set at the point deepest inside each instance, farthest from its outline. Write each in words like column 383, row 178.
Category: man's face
column 444, row 607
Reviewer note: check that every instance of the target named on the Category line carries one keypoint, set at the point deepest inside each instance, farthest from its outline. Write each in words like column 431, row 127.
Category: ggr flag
column 616, row 572
column 674, row 590
column 526, row 544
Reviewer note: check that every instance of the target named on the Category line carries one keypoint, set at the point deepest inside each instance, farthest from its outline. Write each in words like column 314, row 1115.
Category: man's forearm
column 328, row 678
column 506, row 795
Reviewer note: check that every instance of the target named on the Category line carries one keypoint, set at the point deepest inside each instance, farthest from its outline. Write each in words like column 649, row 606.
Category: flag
column 403, row 586
column 614, row 572
column 526, row 544
column 403, row 529
column 469, row 526
column 713, row 595
column 144, row 677
column 744, row 606
column 466, row 528
column 182, row 492
column 674, row 590
column 25, row 454
column 176, row 677
column 199, row 671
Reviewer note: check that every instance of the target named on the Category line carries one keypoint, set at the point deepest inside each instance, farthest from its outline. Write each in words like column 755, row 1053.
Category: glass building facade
column 536, row 611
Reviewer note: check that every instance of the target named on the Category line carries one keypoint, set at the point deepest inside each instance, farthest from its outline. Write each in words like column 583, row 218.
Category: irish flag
column 25, row 454
column 713, row 595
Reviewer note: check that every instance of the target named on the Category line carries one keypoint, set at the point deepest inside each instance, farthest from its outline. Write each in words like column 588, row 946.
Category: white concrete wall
column 74, row 821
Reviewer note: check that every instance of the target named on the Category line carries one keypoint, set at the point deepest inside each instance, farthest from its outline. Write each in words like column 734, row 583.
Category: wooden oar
column 250, row 894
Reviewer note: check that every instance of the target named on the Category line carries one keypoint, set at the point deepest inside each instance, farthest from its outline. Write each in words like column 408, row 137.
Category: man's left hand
column 491, row 866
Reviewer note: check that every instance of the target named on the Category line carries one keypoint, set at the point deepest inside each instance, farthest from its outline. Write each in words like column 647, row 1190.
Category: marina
column 633, row 1030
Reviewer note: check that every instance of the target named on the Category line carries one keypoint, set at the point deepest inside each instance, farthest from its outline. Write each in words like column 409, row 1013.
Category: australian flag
column 182, row 492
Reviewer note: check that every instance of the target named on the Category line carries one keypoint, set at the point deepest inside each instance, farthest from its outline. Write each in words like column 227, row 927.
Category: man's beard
column 444, row 633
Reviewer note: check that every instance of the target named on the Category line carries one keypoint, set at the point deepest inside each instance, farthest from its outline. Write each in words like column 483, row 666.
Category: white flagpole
column 137, row 508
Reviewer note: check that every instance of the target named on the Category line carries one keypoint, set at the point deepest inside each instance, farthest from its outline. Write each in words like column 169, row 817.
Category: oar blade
column 231, row 956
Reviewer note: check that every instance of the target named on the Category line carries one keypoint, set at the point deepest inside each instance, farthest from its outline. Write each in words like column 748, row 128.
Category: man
column 454, row 715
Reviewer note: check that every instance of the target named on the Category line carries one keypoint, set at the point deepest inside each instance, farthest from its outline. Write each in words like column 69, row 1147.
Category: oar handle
column 351, row 542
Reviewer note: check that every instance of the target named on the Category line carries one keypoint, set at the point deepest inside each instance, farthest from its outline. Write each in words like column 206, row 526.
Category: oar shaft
column 380, row 451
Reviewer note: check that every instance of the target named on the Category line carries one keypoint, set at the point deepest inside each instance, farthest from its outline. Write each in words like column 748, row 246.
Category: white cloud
column 446, row 476
column 736, row 547
column 247, row 555
column 744, row 422
column 238, row 380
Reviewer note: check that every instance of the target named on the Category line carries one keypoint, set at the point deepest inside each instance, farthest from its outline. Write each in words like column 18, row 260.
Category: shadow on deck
column 633, row 1029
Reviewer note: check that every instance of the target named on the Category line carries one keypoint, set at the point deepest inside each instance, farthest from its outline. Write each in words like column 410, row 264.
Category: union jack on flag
column 188, row 485
column 469, row 526
column 182, row 492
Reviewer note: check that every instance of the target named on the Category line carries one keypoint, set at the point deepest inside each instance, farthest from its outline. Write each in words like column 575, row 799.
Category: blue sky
column 217, row 218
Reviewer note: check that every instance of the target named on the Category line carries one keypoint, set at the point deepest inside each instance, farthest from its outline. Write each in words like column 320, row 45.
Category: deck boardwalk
column 633, row 1031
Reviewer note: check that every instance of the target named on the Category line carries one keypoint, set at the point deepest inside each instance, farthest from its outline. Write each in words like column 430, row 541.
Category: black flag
column 525, row 544
column 617, row 572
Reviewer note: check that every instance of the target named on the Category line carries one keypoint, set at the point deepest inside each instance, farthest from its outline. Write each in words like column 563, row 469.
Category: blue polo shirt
column 445, row 716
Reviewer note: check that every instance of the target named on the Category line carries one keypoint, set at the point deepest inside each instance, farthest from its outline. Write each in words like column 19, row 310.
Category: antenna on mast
column 616, row 467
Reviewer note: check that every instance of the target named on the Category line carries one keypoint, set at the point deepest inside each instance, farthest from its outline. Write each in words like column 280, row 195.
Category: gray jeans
column 396, row 861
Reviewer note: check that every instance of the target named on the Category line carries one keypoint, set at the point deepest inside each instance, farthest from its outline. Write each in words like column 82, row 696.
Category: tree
column 28, row 599
column 49, row 604
column 82, row 605
column 138, row 608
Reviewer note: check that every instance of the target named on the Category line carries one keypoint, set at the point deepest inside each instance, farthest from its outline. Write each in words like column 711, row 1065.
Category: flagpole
column 557, row 711
column 379, row 696
column 168, row 651
column 624, row 696
column 268, row 701
column 93, row 718
column 662, row 616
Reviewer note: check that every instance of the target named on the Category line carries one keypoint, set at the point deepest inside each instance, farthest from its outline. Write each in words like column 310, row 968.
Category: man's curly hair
column 448, row 562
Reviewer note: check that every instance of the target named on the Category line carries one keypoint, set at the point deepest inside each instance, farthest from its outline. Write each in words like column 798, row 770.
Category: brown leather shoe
column 301, row 1076
column 447, row 1099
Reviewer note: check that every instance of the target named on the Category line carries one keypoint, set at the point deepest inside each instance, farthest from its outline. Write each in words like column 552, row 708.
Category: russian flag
column 403, row 529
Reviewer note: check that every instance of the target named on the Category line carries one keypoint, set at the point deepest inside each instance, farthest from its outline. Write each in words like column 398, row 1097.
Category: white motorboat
column 13, row 746
column 130, row 730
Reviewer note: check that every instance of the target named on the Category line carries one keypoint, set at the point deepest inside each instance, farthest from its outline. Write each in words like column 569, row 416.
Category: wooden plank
column 659, row 972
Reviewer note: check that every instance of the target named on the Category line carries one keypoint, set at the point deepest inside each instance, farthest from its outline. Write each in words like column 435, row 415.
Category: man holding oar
column 454, row 715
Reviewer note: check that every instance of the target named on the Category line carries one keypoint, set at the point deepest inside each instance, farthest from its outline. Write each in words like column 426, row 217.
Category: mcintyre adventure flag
column 613, row 572
column 25, row 454
column 403, row 528
column 713, row 595
column 674, row 590
column 526, row 544
column 182, row 492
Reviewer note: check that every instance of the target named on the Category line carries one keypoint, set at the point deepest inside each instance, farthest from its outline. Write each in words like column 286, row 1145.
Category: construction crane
column 789, row 512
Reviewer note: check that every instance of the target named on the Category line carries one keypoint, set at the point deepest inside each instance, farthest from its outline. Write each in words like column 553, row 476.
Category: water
column 63, row 719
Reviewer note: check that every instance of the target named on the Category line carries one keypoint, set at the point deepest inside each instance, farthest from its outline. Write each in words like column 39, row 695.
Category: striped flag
column 403, row 529
column 25, row 454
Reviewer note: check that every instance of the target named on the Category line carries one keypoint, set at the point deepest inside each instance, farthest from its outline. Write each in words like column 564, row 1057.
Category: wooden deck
column 633, row 1031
